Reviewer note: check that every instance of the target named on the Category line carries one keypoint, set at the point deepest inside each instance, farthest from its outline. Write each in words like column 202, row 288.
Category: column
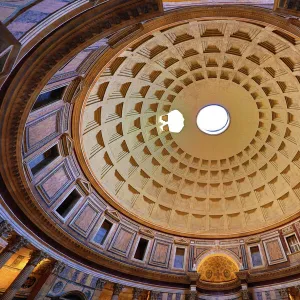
column 44, row 284
column 244, row 294
column 11, row 249
column 193, row 295
column 284, row 295
column 5, row 228
column 243, row 276
column 36, row 257
column 136, row 293
column 193, row 277
column 98, row 289
column 116, row 291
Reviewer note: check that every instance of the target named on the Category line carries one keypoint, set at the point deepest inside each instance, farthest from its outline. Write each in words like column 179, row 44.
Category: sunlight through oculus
column 175, row 121
column 213, row 119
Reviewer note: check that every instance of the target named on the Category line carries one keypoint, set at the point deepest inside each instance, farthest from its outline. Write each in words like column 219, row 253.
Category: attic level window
column 43, row 160
column 293, row 243
column 141, row 249
column 213, row 119
column 68, row 204
column 49, row 97
column 103, row 232
column 255, row 256
column 179, row 258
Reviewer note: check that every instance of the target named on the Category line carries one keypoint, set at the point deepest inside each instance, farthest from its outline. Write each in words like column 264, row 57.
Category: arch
column 218, row 252
column 217, row 268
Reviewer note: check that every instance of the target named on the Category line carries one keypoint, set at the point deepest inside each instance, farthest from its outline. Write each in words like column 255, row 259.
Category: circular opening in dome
column 213, row 119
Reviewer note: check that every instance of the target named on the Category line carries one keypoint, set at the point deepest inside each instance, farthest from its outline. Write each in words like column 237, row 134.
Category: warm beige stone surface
column 243, row 179
column 217, row 269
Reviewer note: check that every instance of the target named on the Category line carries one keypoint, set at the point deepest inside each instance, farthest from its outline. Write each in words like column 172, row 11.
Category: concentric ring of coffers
column 139, row 164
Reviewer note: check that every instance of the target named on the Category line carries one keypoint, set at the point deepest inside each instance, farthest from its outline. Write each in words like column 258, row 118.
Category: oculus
column 213, row 119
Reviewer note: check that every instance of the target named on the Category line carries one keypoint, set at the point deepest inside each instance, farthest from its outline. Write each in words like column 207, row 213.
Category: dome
column 150, row 149
column 191, row 183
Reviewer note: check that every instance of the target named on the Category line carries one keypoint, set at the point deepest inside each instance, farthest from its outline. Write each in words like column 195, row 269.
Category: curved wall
column 37, row 183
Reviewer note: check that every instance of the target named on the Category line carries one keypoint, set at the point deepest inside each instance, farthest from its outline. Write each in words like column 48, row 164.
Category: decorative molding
column 73, row 90
column 58, row 267
column 253, row 240
column 5, row 229
column 84, row 185
column 17, row 244
column 245, row 294
column 117, row 289
column 67, row 144
column 36, row 257
column 136, row 293
column 147, row 232
column 100, row 284
column 113, row 214
column 181, row 242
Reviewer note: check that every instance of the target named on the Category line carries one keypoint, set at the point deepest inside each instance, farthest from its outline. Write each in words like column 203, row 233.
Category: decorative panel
column 274, row 251
column 9, row 49
column 43, row 130
column 56, row 182
column 160, row 254
column 86, row 218
column 122, row 241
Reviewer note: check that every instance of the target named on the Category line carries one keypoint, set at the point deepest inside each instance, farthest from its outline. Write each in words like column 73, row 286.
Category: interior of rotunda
column 150, row 149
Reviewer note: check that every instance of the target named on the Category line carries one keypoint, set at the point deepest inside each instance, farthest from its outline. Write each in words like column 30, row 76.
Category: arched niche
column 218, row 268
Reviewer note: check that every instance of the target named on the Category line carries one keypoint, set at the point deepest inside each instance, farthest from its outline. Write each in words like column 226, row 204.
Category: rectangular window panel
column 103, row 232
column 255, row 256
column 141, row 249
column 179, row 258
column 44, row 159
column 293, row 243
column 67, row 205
column 49, row 97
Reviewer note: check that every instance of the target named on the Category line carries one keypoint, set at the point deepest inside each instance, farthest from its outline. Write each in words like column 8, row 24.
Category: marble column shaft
column 11, row 291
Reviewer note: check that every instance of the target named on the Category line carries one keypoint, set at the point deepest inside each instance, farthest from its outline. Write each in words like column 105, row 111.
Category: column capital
column 36, row 257
column 137, row 292
column 17, row 244
column 245, row 295
column 58, row 267
column 100, row 284
column 283, row 293
column 117, row 289
column 155, row 295
column 243, row 275
column 5, row 228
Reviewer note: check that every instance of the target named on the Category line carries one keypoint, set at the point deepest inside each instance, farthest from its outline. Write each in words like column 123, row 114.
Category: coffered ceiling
column 244, row 179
